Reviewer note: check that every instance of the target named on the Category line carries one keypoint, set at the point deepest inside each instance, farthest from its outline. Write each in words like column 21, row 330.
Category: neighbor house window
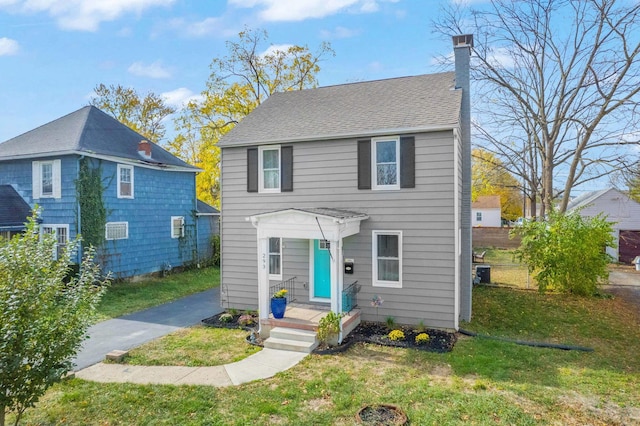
column 269, row 168
column 387, row 258
column 275, row 258
column 177, row 226
column 479, row 216
column 125, row 181
column 385, row 163
column 117, row 230
column 5, row 234
column 61, row 232
column 46, row 179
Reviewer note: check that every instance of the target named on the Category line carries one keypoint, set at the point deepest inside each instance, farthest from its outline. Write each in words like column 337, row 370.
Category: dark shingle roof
column 13, row 209
column 204, row 208
column 86, row 131
column 398, row 105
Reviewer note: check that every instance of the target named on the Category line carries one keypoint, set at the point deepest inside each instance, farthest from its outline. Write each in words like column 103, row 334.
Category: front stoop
column 290, row 339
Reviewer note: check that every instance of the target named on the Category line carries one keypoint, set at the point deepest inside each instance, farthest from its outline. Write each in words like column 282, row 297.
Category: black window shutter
column 286, row 173
column 364, row 164
column 252, row 170
column 407, row 162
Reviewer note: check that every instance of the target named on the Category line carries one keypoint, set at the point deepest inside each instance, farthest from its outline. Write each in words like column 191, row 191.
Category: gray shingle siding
column 325, row 175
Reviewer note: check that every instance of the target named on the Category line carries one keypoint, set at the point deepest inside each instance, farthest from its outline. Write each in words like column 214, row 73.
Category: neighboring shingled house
column 619, row 209
column 486, row 211
column 366, row 184
column 145, row 218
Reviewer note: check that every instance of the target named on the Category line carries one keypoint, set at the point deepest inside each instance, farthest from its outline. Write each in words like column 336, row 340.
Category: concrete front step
column 290, row 339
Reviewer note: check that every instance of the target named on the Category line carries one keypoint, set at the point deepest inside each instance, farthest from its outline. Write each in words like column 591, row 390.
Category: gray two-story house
column 362, row 186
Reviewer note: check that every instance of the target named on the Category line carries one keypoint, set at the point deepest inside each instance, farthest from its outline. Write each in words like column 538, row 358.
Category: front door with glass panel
column 321, row 269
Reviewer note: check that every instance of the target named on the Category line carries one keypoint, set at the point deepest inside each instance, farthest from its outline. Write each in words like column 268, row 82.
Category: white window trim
column 55, row 227
column 374, row 257
column 374, row 168
column 120, row 167
column 173, row 233
column 261, row 188
column 274, row 276
column 56, row 179
column 5, row 234
column 106, row 230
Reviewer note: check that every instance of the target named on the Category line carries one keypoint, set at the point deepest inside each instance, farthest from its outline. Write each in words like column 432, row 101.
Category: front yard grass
column 126, row 297
column 481, row 381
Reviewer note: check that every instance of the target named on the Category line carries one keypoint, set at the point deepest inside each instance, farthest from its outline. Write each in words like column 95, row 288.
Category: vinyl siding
column 325, row 175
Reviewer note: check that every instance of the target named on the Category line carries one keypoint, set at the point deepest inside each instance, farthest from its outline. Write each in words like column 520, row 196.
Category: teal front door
column 321, row 269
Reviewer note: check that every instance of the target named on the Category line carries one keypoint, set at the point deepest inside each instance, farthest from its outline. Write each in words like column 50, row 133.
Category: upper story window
column 479, row 216
column 270, row 169
column 385, row 163
column 47, row 179
column 116, row 230
column 387, row 258
column 269, row 165
column 275, row 258
column 125, row 181
column 177, row 226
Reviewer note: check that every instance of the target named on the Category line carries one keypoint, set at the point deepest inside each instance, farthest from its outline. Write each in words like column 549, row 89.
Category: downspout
column 80, row 252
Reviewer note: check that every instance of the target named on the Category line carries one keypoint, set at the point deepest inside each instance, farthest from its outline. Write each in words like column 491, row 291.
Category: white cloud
column 299, row 10
column 339, row 32
column 87, row 15
column 8, row 46
column 154, row 70
column 275, row 48
column 180, row 97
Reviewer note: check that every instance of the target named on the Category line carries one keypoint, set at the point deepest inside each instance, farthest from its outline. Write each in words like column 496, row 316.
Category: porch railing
column 350, row 297
column 289, row 285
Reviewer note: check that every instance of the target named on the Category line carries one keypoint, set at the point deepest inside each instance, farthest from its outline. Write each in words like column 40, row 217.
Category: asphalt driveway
column 132, row 330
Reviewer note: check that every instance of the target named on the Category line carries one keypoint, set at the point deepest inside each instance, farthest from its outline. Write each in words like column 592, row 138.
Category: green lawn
column 126, row 297
column 481, row 382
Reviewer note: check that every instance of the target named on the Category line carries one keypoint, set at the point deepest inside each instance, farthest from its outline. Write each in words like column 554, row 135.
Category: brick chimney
column 144, row 149
column 462, row 45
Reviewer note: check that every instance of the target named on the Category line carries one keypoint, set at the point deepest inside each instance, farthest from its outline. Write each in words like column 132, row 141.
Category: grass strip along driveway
column 480, row 382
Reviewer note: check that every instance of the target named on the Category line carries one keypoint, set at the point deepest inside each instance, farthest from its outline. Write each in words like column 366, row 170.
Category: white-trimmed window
column 116, row 230
column 275, row 258
column 125, row 181
column 478, row 216
column 177, row 226
column 47, row 179
column 61, row 233
column 387, row 258
column 385, row 163
column 5, row 234
column 269, row 168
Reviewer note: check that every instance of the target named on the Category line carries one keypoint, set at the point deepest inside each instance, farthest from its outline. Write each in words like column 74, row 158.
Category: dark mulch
column 374, row 332
column 369, row 332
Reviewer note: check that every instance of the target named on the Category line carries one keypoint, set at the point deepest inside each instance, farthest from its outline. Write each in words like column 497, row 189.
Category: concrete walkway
column 261, row 365
column 132, row 330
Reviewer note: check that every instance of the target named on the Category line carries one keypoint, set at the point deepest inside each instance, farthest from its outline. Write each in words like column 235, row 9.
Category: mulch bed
column 369, row 332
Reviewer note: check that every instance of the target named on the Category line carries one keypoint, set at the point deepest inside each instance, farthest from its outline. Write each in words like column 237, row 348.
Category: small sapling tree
column 45, row 311
column 567, row 252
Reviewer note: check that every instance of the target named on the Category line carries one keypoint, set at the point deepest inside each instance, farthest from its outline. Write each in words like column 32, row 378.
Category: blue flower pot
column 278, row 306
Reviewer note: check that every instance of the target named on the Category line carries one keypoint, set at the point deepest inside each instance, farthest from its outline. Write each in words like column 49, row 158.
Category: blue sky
column 54, row 52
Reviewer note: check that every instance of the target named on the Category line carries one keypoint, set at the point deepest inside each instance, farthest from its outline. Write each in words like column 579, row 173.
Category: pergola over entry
column 311, row 224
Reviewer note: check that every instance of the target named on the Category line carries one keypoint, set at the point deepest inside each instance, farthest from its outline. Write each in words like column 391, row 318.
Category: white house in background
column 618, row 208
column 486, row 211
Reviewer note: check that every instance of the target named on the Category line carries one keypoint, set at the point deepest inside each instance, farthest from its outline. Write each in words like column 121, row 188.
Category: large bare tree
column 557, row 87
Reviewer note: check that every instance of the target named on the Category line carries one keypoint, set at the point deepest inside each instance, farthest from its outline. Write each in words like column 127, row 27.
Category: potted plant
column 279, row 303
column 329, row 328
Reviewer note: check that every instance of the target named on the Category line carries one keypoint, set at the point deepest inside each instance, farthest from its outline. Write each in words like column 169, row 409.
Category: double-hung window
column 177, row 226
column 478, row 216
column 47, row 179
column 387, row 258
column 275, row 258
column 125, row 181
column 61, row 233
column 386, row 163
column 269, row 173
